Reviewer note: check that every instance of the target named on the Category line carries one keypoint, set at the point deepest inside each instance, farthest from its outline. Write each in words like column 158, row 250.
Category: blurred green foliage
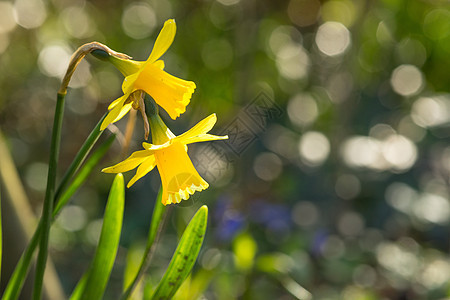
column 344, row 193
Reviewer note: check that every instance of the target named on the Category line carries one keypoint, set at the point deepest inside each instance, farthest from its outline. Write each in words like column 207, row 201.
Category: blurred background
column 336, row 177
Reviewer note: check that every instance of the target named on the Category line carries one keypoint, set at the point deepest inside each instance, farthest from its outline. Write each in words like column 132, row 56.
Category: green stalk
column 18, row 277
column 49, row 195
column 79, row 158
column 156, row 225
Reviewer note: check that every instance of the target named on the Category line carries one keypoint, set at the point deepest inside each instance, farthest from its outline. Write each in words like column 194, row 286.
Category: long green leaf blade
column 109, row 242
column 185, row 256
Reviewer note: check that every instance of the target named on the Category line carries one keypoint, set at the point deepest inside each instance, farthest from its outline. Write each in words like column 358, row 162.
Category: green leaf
column 109, row 242
column 185, row 256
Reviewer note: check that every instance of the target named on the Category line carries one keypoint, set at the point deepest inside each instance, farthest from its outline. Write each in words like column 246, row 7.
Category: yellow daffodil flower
column 171, row 93
column 169, row 154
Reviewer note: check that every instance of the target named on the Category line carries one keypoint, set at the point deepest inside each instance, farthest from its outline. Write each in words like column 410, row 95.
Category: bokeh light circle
column 293, row 61
column 407, row 80
column 302, row 109
column 267, row 166
column 138, row 20
column 314, row 148
column 333, row 38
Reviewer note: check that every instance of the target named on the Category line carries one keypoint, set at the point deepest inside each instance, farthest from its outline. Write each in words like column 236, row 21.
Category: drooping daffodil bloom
column 168, row 153
column 171, row 93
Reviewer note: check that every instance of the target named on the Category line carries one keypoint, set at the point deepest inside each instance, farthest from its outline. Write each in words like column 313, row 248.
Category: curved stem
column 79, row 55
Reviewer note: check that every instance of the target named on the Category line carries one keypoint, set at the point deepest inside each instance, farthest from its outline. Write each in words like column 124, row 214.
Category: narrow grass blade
column 47, row 211
column 105, row 255
column 185, row 256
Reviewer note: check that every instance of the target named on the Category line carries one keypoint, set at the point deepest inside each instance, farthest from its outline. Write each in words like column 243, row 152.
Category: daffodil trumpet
column 171, row 93
column 168, row 153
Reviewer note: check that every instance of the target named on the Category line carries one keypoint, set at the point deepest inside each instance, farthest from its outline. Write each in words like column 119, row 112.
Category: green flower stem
column 18, row 277
column 79, row 158
column 159, row 217
column 49, row 194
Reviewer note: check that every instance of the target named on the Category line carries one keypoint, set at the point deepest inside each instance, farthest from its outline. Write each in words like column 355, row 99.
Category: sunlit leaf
column 105, row 255
column 185, row 256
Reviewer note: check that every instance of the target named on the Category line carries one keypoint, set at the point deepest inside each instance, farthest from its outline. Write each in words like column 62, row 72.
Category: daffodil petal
column 159, row 64
column 153, row 147
column 130, row 163
column 163, row 41
column 146, row 166
column 114, row 103
column 115, row 112
column 171, row 93
column 179, row 177
column 203, row 138
column 128, row 83
column 201, row 127
column 125, row 109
